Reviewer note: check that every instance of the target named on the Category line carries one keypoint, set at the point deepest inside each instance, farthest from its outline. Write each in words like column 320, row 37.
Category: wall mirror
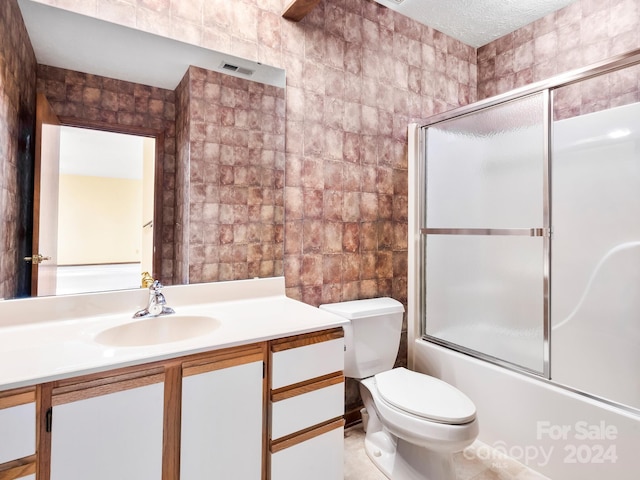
column 76, row 43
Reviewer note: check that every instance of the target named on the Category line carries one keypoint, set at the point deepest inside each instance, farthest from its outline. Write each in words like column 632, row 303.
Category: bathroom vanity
column 261, row 396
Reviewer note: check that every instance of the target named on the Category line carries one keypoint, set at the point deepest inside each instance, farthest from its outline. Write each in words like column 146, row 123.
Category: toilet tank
column 372, row 337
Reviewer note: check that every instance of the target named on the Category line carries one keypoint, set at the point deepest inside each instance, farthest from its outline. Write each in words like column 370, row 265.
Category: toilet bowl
column 416, row 422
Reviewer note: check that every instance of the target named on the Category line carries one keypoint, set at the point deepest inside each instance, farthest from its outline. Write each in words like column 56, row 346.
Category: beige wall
column 99, row 220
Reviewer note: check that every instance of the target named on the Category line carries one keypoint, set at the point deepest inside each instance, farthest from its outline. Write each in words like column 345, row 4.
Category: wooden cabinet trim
column 266, row 405
column 19, row 396
column 18, row 468
column 306, row 339
column 307, row 434
column 172, row 421
column 223, row 354
column 43, row 437
column 188, row 368
column 264, row 352
column 105, row 386
column 107, row 377
column 307, row 386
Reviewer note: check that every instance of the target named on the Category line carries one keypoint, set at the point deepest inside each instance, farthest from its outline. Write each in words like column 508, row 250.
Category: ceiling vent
column 237, row 69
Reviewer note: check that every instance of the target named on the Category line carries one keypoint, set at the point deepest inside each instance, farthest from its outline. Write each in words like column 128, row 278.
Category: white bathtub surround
column 594, row 305
column 50, row 338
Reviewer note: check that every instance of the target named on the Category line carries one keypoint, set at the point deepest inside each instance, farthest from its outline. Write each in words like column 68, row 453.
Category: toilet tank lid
column 364, row 308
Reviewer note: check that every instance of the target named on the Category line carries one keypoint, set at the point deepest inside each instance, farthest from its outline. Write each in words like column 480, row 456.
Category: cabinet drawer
column 317, row 458
column 17, row 426
column 299, row 364
column 303, row 411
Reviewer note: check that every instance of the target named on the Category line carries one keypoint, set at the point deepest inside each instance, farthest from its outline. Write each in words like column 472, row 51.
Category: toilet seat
column 424, row 396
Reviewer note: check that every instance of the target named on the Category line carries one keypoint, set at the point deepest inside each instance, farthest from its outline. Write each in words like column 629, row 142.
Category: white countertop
column 48, row 339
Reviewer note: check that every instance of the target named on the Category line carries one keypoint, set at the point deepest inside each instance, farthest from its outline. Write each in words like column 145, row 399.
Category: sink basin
column 157, row 330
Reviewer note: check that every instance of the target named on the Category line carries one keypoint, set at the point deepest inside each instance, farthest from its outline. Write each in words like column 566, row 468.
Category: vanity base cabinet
column 103, row 431
column 266, row 411
column 223, row 416
column 18, row 434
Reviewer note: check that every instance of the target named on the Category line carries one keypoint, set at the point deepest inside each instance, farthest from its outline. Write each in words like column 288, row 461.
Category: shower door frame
column 547, row 88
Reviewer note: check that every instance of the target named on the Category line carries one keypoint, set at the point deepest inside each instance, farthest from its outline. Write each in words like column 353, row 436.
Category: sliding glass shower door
column 596, row 260
column 485, row 232
column 529, row 230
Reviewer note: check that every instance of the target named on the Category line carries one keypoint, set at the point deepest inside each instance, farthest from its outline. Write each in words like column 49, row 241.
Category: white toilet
column 416, row 422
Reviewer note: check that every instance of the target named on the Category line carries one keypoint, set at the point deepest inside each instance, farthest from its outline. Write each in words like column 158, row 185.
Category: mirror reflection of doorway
column 105, row 210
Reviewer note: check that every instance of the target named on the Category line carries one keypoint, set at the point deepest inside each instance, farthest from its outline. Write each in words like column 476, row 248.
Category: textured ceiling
column 476, row 22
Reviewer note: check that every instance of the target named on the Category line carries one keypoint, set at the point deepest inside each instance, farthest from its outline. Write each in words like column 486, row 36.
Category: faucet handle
column 147, row 280
column 156, row 286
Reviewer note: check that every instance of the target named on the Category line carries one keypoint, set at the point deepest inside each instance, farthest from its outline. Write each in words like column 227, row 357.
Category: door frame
column 46, row 164
column 158, row 183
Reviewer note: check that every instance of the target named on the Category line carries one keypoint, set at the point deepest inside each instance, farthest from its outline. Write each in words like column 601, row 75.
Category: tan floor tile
column 357, row 465
column 478, row 462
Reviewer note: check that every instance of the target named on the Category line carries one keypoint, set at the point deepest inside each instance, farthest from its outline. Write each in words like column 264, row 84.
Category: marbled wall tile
column 17, row 113
column 580, row 34
column 228, row 186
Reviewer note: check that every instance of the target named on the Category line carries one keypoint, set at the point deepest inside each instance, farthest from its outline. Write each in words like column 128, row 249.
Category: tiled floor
column 469, row 466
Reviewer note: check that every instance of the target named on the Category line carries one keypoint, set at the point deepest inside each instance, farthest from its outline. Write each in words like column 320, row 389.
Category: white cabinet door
column 113, row 436
column 17, row 432
column 222, row 419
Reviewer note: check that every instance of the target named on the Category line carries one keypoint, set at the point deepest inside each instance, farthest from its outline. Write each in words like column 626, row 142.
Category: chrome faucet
column 157, row 303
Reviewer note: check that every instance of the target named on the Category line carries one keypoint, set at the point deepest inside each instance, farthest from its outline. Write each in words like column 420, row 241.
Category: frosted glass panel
column 596, row 249
column 486, row 293
column 485, row 170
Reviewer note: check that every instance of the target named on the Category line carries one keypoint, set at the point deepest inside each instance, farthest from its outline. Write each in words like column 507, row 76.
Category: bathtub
column 559, row 433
